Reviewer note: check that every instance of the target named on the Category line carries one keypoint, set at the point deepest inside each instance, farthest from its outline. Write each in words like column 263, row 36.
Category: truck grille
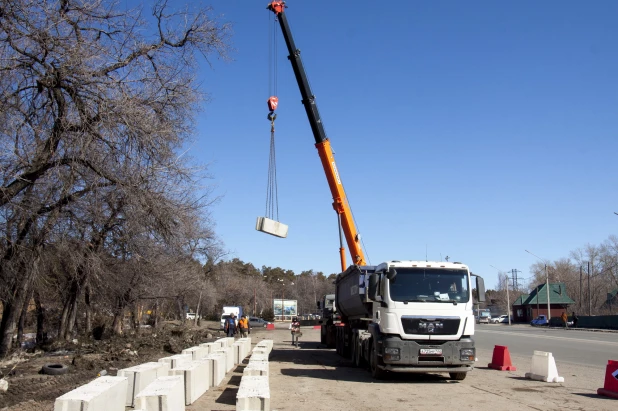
column 430, row 326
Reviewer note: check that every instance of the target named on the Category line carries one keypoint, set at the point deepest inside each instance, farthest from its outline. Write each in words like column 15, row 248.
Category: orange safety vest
column 243, row 323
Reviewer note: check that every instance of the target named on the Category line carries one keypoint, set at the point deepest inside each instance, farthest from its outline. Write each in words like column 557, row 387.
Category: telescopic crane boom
column 340, row 203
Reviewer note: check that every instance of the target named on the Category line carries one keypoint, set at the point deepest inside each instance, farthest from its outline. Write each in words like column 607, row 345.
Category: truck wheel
column 376, row 372
column 459, row 376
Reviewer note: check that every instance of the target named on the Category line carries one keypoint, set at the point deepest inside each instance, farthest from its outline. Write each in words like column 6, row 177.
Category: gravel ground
column 314, row 378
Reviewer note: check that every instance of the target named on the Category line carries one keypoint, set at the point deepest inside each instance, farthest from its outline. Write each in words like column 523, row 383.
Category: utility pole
column 589, row 299
column 514, row 272
column 581, row 299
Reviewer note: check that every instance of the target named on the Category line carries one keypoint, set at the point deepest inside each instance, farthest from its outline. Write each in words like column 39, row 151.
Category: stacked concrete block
column 102, row 394
column 197, row 352
column 257, row 356
column 253, row 394
column 140, row 376
column 177, row 360
column 196, row 377
column 218, row 366
column 163, row 394
column 223, row 341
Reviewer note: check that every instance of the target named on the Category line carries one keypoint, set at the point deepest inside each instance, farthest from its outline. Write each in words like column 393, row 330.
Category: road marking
column 547, row 337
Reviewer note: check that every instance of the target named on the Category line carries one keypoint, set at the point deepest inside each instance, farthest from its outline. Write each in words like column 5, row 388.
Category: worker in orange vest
column 243, row 325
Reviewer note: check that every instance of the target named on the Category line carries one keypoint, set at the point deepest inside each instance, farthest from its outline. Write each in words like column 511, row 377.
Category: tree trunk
column 156, row 314
column 197, row 310
column 22, row 319
column 88, row 325
column 40, row 318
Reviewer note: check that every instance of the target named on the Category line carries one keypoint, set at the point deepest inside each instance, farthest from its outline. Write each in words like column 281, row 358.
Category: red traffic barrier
column 610, row 388
column 317, row 327
column 501, row 359
column 270, row 326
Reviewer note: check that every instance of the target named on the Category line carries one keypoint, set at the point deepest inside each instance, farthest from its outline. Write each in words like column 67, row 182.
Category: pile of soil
column 31, row 390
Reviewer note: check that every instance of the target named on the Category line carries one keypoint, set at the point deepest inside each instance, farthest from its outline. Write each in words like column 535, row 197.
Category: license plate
column 431, row 351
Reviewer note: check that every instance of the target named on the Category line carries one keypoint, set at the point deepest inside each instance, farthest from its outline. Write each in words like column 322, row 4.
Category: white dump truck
column 407, row 316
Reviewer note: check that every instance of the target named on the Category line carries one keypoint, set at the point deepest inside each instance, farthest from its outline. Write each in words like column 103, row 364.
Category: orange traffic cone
column 501, row 360
column 610, row 388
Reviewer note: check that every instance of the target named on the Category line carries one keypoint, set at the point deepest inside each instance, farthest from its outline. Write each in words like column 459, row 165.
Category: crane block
column 272, row 227
column 273, row 102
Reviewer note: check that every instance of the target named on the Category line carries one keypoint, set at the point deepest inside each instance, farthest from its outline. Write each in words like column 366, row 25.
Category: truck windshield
column 430, row 285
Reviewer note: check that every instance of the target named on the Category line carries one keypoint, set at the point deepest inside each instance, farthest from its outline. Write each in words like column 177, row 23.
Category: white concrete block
column 237, row 349
column 544, row 368
column 177, row 360
column 197, row 352
column 223, row 342
column 140, row 376
column 256, row 368
column 196, row 379
column 163, row 394
column 256, row 356
column 229, row 358
column 272, row 227
column 246, row 343
column 105, row 393
column 266, row 343
column 218, row 363
column 210, row 346
column 253, row 394
column 260, row 350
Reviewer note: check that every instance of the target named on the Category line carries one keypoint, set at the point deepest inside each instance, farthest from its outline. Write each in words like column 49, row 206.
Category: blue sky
column 469, row 129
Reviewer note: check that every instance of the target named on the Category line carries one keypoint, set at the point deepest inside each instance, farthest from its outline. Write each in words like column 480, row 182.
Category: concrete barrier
column 253, row 394
column 229, row 358
column 256, row 368
column 217, row 367
column 211, row 346
column 196, row 377
column 177, row 360
column 258, row 357
column 268, row 344
column 163, row 394
column 139, row 376
column 102, row 394
column 197, row 352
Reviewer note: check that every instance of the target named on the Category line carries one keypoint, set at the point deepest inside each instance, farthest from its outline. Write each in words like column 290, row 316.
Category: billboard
column 285, row 309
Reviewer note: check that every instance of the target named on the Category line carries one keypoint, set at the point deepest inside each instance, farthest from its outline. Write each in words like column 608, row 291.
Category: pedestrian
column 295, row 329
column 564, row 319
column 243, row 326
column 575, row 319
column 230, row 325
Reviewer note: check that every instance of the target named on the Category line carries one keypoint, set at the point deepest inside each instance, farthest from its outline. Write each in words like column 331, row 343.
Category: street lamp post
column 546, row 286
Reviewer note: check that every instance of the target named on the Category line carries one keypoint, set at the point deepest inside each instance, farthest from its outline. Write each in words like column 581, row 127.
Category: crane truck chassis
column 399, row 316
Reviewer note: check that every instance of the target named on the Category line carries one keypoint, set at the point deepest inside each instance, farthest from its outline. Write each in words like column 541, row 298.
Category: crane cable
column 272, row 200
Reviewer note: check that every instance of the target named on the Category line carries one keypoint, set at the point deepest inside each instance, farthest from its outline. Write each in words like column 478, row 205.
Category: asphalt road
column 570, row 346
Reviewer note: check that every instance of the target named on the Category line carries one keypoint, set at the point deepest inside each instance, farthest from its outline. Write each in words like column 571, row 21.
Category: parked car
column 258, row 322
column 500, row 319
column 540, row 320
column 191, row 316
column 483, row 318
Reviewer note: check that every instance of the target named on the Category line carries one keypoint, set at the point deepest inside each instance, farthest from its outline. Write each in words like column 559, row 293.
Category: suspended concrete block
column 544, row 368
column 272, row 227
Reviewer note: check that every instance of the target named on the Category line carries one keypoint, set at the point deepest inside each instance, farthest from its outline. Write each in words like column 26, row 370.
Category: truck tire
column 376, row 372
column 458, row 376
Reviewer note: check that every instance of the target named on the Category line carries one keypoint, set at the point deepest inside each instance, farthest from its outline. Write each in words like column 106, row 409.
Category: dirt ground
column 312, row 378
column 29, row 390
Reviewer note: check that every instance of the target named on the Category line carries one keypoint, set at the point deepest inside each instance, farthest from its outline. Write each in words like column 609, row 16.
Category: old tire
column 55, row 369
column 458, row 376
column 376, row 372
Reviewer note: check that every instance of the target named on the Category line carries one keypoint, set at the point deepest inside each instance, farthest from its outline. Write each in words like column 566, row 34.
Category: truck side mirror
column 480, row 289
column 373, row 286
column 391, row 274
column 318, row 304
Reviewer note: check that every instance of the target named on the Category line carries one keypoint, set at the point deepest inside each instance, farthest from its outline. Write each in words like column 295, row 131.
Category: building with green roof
column 529, row 306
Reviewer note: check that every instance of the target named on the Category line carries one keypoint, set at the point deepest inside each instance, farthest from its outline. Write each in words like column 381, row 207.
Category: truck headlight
column 391, row 354
column 466, row 354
